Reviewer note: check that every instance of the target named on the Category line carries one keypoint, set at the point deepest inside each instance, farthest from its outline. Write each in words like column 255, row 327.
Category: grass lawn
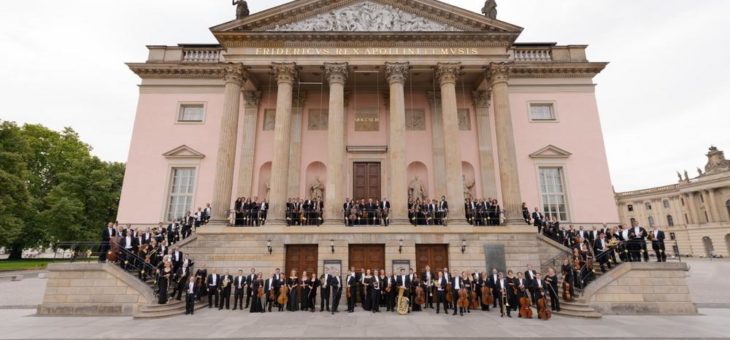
column 26, row 264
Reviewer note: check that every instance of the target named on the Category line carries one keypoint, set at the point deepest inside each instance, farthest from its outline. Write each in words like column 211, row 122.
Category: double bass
column 487, row 298
column 543, row 312
column 474, row 301
column 525, row 310
column 420, row 295
column 449, row 296
column 463, row 301
column 283, row 295
column 566, row 291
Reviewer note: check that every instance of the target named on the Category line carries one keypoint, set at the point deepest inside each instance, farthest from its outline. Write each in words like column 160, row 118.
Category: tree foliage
column 53, row 188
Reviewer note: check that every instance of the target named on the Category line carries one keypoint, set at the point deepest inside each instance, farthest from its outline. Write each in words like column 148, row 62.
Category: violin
column 525, row 310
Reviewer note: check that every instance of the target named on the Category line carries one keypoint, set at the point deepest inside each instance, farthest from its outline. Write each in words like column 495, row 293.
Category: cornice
column 364, row 39
column 179, row 71
column 556, row 70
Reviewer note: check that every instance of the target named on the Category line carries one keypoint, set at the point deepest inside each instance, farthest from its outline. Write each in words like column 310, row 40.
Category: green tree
column 69, row 193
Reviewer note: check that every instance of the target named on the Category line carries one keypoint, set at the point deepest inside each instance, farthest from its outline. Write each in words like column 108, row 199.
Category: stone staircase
column 579, row 307
column 172, row 308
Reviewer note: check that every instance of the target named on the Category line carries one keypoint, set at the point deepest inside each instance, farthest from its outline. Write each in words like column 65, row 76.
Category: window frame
column 169, row 193
column 179, row 113
column 553, row 105
column 563, row 172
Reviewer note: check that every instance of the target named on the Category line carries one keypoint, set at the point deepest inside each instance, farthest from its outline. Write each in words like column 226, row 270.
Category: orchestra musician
column 190, row 292
column 213, row 283
column 600, row 248
column 456, row 285
column 225, row 295
column 239, row 282
column 657, row 243
column 314, row 283
column 551, row 283
column 377, row 284
column 441, row 282
column 325, row 292
column 259, row 294
column 249, row 286
column 269, row 298
column 427, row 281
column 351, row 288
column 336, row 287
column 638, row 235
column 502, row 288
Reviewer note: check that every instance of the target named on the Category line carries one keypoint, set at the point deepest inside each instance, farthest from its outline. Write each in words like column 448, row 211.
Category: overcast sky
column 62, row 64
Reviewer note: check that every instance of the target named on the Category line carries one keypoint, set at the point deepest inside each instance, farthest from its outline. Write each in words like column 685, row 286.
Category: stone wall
column 642, row 288
column 231, row 249
column 93, row 289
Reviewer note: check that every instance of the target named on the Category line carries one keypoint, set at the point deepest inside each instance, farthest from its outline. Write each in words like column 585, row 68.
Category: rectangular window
column 630, row 207
column 181, row 192
column 191, row 113
column 542, row 111
column 666, row 204
column 552, row 190
column 647, row 205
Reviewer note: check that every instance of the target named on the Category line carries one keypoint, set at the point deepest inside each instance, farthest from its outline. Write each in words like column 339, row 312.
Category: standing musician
column 600, row 247
column 190, row 292
column 377, row 283
column 312, row 297
column 389, row 292
column 551, row 284
column 427, row 280
column 530, row 277
column 638, row 234
column 249, row 284
column 657, row 243
column 492, row 282
column 351, row 289
column 325, row 292
column 442, row 211
column 336, row 286
column 385, row 212
column 502, row 288
column 456, row 285
column 214, row 284
column 404, row 281
column 440, row 293
column 225, row 298
column 269, row 287
column 239, row 282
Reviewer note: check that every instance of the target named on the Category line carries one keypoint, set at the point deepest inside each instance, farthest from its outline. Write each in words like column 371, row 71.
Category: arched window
column 670, row 220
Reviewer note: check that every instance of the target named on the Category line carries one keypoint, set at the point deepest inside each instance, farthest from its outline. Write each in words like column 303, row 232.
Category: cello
column 487, row 298
column 566, row 291
column 283, row 295
column 543, row 313
column 463, row 301
column 449, row 296
column 525, row 310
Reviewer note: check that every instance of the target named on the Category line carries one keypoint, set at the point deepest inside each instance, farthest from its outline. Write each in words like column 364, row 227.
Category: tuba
column 402, row 302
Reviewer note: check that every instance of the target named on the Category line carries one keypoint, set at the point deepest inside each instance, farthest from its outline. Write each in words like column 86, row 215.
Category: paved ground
column 708, row 286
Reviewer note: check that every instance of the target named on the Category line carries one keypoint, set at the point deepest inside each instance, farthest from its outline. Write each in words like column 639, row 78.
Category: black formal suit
column 324, row 290
column 239, row 284
column 426, row 281
column 269, row 285
column 226, row 292
column 530, row 282
column 502, row 288
column 352, row 284
column 441, row 295
column 551, row 287
column 638, row 235
column 190, row 293
column 600, row 247
column 106, row 236
column 335, row 284
column 249, row 288
column 457, row 283
column 214, row 283
column 492, row 282
column 657, row 243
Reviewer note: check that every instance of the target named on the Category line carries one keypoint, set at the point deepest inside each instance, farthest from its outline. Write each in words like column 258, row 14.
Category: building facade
column 380, row 92
column 695, row 211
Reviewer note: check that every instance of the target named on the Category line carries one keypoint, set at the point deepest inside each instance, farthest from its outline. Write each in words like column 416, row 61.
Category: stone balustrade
column 201, row 55
column 191, row 54
column 539, row 54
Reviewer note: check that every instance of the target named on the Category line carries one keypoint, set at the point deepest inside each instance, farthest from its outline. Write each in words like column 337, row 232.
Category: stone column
column 245, row 162
column 689, row 201
column 484, row 133
column 712, row 206
column 508, row 175
column 334, row 189
column 295, row 150
column 396, row 74
column 437, row 145
column 447, row 74
column 285, row 76
column 234, row 77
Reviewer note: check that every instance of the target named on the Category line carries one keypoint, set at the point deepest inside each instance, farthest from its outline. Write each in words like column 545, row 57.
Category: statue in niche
column 268, row 190
column 241, row 8
column 467, row 187
column 416, row 190
column 316, row 190
column 490, row 9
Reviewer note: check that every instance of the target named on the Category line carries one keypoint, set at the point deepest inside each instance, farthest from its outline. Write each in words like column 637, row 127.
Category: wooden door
column 368, row 256
column 301, row 257
column 366, row 180
column 434, row 255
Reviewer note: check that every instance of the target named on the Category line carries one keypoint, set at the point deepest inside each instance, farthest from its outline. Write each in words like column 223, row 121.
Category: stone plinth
column 93, row 289
column 642, row 288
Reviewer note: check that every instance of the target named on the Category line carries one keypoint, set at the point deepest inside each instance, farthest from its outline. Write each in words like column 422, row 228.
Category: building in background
column 695, row 211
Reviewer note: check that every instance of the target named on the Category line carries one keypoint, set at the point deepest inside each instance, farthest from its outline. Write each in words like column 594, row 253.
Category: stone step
column 578, row 308
column 173, row 304
column 164, row 313
column 578, row 314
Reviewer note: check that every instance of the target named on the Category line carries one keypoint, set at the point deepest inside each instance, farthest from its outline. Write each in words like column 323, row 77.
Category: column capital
column 234, row 73
column 482, row 99
column 448, row 72
column 285, row 72
column 498, row 73
column 252, row 98
column 336, row 72
column 396, row 72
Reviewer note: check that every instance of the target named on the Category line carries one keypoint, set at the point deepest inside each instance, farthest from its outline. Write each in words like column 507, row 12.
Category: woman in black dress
column 367, row 282
column 163, row 282
column 258, row 294
column 306, row 287
column 312, row 295
column 294, row 285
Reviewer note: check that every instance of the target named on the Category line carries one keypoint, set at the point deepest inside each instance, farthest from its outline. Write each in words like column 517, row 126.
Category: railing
column 201, row 55
column 532, row 54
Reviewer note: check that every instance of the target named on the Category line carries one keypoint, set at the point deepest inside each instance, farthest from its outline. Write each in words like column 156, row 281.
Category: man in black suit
column 530, row 277
column 537, row 217
column 214, row 284
column 457, row 284
column 249, row 286
column 492, row 282
column 352, row 284
column 657, row 243
column 239, row 282
column 427, row 278
column 335, row 284
column 226, row 283
column 637, row 235
column 277, row 284
column 501, row 287
column 190, row 293
column 324, row 291
column 385, row 208
column 177, row 258
column 600, row 248
column 269, row 284
column 404, row 281
column 106, row 236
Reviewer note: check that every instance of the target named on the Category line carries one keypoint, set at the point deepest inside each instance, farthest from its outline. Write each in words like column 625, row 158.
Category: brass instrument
column 226, row 282
column 650, row 237
column 402, row 302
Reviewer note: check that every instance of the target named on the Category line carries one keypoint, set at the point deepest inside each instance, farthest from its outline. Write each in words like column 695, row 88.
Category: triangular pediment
column 366, row 16
column 550, row 151
column 183, row 151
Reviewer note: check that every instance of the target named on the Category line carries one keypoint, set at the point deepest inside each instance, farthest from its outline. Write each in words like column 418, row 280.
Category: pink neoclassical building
column 365, row 99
